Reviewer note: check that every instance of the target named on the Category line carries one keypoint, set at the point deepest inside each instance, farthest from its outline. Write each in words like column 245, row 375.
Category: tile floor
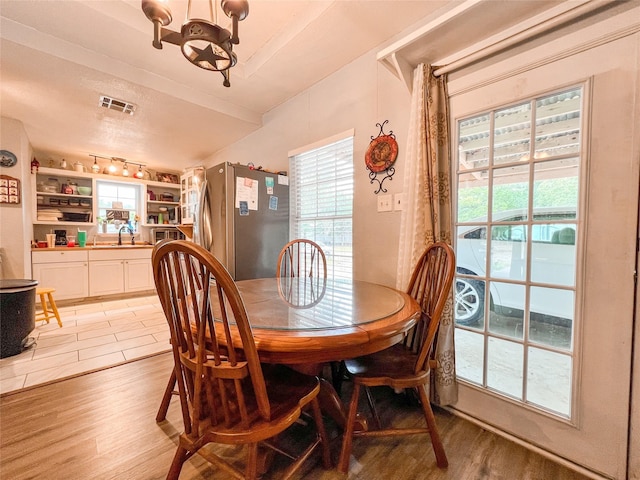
column 93, row 336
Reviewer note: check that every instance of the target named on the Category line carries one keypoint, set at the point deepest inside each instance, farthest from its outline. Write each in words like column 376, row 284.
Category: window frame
column 334, row 189
column 113, row 227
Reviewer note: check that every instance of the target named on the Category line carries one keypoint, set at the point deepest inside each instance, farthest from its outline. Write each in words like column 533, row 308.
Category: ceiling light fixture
column 112, row 166
column 203, row 42
column 95, row 168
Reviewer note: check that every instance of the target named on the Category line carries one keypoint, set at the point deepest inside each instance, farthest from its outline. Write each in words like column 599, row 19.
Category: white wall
column 15, row 220
column 358, row 96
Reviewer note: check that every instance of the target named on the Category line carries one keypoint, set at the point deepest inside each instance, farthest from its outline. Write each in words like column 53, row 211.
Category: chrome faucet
column 125, row 227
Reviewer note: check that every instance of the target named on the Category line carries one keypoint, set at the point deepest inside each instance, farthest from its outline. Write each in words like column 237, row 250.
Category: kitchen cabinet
column 138, row 275
column 162, row 205
column 67, row 272
column 113, row 271
column 106, row 277
column 63, row 198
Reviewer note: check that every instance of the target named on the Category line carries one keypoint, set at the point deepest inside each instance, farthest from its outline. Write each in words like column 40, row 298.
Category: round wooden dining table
column 305, row 323
column 300, row 321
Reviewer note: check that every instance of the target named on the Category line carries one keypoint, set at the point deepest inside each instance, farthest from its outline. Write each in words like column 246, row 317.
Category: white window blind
column 321, row 202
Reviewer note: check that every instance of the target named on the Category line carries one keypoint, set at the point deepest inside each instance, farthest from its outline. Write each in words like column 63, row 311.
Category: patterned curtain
column 426, row 217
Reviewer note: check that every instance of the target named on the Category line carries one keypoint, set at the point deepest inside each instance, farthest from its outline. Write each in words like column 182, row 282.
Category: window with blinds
column 321, row 202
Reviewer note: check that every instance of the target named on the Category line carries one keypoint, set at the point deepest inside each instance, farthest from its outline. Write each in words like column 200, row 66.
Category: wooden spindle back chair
column 226, row 395
column 302, row 258
column 407, row 364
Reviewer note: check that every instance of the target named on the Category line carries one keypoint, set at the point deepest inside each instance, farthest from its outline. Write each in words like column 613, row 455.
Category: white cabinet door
column 138, row 275
column 106, row 277
column 69, row 279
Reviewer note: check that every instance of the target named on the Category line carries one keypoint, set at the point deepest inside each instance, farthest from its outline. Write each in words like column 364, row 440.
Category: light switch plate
column 385, row 203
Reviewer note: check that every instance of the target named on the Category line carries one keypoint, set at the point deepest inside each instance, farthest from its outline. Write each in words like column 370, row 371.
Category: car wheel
column 469, row 301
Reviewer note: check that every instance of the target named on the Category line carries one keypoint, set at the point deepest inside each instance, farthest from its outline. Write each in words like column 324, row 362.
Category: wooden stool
column 48, row 292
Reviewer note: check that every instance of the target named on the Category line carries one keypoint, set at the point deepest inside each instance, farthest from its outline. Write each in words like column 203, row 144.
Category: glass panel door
column 518, row 210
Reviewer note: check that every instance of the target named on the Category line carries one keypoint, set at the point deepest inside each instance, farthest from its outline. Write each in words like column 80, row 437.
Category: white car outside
column 553, row 262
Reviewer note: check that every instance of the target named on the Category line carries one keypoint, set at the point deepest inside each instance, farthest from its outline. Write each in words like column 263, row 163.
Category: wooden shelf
column 187, row 230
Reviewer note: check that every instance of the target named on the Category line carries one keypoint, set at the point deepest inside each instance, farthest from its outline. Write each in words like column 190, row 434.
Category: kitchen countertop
column 108, row 246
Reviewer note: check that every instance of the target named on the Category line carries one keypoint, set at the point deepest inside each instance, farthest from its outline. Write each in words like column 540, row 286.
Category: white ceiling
column 58, row 57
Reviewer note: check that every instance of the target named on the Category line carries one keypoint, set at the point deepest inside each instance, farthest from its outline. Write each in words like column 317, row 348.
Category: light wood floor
column 102, row 426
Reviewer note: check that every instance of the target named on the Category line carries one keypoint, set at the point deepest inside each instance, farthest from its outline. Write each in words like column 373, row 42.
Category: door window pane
column 507, row 315
column 512, row 134
column 558, row 124
column 473, row 144
column 510, row 193
column 470, row 295
column 549, row 380
column 555, row 187
column 505, row 366
column 469, row 365
column 473, row 196
column 553, row 254
column 508, row 252
column 551, row 317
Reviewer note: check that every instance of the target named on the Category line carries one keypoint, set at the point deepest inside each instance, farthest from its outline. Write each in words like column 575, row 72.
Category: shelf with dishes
column 162, row 204
column 70, row 197
column 63, row 199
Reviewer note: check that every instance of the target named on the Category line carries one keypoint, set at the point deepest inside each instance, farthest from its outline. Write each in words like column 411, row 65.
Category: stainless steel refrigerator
column 242, row 218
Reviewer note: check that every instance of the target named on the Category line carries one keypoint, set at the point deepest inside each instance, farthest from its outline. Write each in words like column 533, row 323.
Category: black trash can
column 17, row 314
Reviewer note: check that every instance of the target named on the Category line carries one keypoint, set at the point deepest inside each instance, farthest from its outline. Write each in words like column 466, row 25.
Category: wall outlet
column 398, row 201
column 385, row 203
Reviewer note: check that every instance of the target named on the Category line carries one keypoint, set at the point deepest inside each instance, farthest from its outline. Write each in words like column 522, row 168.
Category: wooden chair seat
column 392, row 367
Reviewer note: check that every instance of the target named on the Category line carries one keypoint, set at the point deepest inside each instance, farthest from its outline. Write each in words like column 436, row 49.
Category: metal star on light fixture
column 203, row 42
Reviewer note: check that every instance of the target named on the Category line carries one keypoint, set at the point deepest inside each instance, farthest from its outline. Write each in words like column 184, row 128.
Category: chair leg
column 438, row 449
column 251, row 469
column 54, row 307
column 347, row 436
column 176, row 466
column 43, row 303
column 166, row 399
column 372, row 407
column 322, row 432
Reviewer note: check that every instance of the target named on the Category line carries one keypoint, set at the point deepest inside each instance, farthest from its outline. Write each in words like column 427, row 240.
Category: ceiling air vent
column 117, row 105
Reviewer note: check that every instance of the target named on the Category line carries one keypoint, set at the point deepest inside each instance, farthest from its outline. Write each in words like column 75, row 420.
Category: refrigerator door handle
column 203, row 234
